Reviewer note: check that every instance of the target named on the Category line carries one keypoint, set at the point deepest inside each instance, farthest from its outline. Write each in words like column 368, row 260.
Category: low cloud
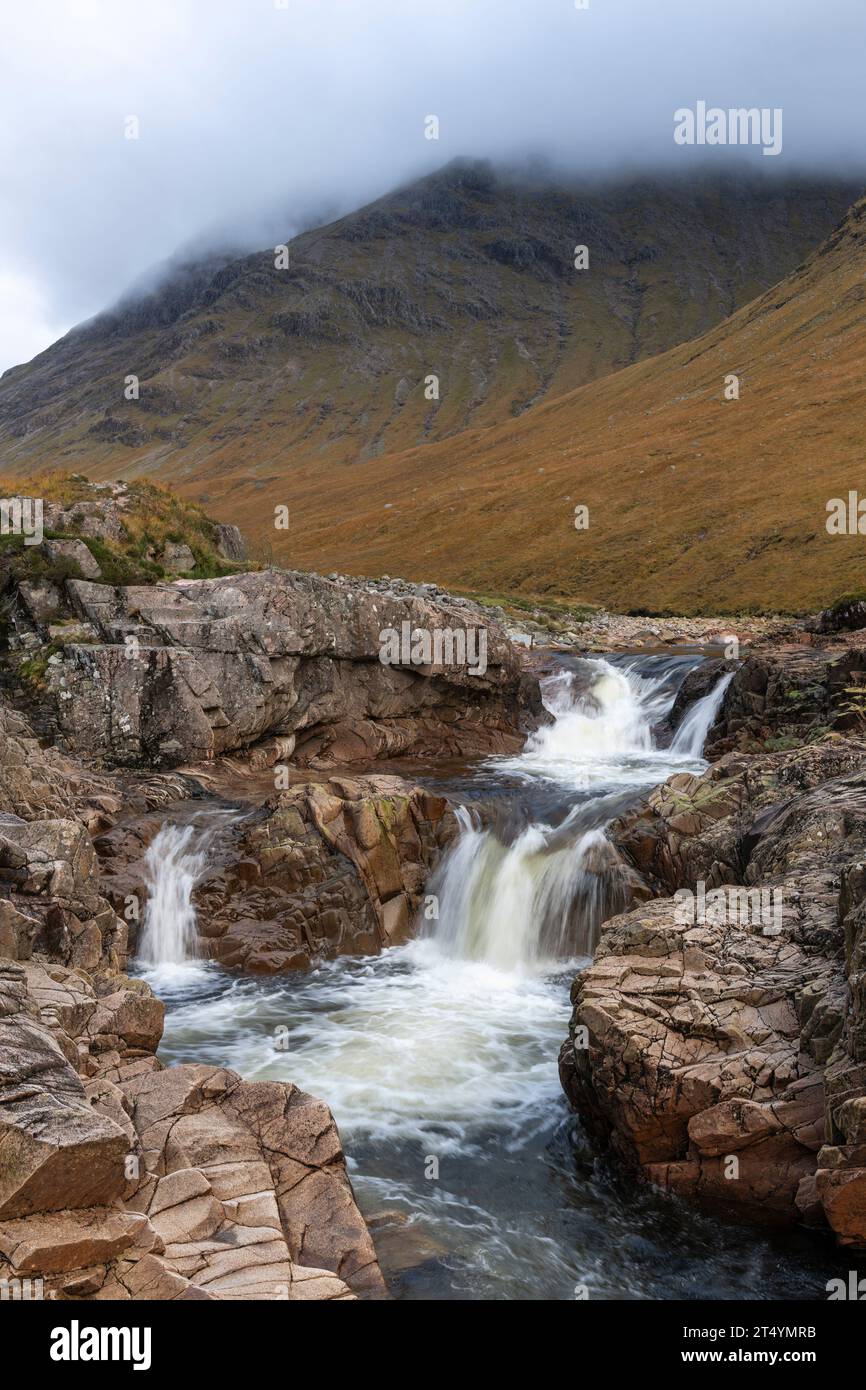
column 257, row 120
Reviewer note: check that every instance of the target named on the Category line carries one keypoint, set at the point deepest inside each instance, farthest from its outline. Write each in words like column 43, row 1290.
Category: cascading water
column 173, row 864
column 541, row 898
column 446, row 1047
column 544, row 896
column 691, row 736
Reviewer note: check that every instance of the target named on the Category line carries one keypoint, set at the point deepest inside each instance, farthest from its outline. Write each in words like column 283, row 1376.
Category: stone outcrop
column 230, row 543
column 37, row 782
column 121, row 1179
column 718, row 1043
column 327, row 868
column 52, row 902
column 788, row 695
column 847, row 615
column 178, row 673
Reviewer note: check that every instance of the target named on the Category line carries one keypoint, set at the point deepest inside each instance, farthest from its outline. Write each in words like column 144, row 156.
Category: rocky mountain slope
column 697, row 504
column 263, row 386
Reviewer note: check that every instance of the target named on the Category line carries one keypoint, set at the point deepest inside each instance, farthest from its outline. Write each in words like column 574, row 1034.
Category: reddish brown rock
column 723, row 1055
column 327, row 868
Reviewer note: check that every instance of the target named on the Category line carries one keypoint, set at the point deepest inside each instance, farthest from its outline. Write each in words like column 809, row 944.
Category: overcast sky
column 254, row 116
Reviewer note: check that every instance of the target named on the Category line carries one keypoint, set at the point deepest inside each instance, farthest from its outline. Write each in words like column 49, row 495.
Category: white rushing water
column 447, row 1047
column 173, row 864
column 690, row 737
column 461, row 1027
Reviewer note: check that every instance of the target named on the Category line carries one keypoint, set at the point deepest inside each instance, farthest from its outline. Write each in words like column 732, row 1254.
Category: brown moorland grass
column 697, row 504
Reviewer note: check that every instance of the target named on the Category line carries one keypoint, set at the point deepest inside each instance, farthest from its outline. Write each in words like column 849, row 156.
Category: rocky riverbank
column 122, row 1178
column 721, row 1055
column 718, row 1039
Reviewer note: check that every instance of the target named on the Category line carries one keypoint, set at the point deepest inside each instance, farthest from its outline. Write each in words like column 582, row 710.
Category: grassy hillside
column 250, row 375
column 151, row 518
column 697, row 503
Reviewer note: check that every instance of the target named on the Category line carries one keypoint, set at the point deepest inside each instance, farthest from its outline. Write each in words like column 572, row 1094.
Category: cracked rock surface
column 718, row 1045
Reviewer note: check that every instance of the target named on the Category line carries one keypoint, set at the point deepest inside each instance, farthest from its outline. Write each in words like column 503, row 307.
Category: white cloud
column 245, row 108
column 26, row 322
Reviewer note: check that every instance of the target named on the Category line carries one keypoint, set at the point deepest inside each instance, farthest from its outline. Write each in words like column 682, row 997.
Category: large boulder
column 57, row 1151
column 121, row 1179
column 185, row 671
column 786, row 696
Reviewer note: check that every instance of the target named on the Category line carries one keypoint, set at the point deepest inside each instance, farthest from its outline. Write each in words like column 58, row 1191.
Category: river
column 439, row 1058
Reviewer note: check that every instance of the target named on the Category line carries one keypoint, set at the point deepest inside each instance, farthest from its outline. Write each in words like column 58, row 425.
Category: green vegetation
column 556, row 614
column 151, row 519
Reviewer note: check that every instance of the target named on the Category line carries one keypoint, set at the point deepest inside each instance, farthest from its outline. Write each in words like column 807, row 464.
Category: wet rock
column 789, row 695
column 697, row 684
column 323, row 869
column 725, row 1025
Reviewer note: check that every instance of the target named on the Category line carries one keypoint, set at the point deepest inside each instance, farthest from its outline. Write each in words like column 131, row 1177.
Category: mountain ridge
column 466, row 274
column 697, row 504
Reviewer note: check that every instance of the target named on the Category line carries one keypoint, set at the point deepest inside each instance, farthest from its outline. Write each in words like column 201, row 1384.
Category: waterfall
column 544, row 896
column 612, row 715
column 173, row 864
column 534, row 900
column 690, row 736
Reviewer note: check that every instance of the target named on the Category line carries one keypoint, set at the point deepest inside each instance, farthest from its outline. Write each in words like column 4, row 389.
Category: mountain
column 697, row 503
column 261, row 385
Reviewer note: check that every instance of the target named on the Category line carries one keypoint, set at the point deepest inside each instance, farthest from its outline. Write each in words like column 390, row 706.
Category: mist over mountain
column 453, row 302
column 253, row 116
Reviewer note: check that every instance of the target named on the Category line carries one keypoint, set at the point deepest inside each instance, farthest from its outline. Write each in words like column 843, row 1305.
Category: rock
column 42, row 602
column 260, row 1159
column 187, row 671
column 37, row 783
column 144, row 1182
column 54, row 1242
column 848, row 615
column 50, row 871
column 789, row 695
column 738, row 1032
column 58, row 1152
column 77, row 552
column 693, row 1057
column 176, row 557
column 99, row 519
column 326, row 868
column 230, row 543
